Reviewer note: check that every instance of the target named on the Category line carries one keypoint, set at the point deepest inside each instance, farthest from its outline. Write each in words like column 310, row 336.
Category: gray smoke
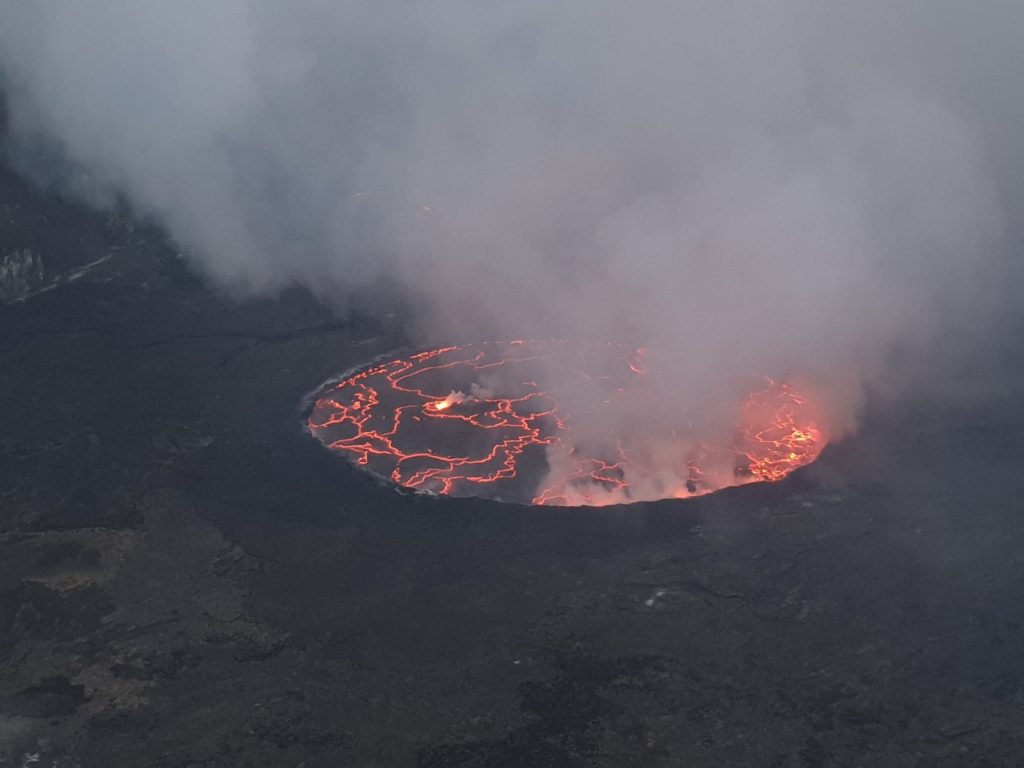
column 781, row 187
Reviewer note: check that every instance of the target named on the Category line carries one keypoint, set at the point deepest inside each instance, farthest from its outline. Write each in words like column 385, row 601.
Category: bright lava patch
column 552, row 422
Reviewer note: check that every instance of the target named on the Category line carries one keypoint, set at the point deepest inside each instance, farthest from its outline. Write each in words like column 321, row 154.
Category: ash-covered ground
column 188, row 579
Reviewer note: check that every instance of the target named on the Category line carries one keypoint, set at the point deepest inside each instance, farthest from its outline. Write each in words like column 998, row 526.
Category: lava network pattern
column 516, row 421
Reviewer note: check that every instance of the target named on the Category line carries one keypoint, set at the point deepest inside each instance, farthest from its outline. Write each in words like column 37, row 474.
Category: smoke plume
column 784, row 188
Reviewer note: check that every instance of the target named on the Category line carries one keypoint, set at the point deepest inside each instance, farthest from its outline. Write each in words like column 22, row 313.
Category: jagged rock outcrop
column 21, row 272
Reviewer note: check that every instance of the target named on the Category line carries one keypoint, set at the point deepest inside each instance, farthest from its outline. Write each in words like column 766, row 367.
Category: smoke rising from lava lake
column 785, row 189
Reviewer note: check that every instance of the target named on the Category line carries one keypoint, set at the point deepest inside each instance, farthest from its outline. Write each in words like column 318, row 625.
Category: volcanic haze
column 787, row 188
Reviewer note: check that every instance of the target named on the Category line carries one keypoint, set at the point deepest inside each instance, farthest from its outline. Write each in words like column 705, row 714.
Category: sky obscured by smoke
column 750, row 187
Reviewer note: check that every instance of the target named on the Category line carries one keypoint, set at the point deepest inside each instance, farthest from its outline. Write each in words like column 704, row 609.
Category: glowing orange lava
column 551, row 422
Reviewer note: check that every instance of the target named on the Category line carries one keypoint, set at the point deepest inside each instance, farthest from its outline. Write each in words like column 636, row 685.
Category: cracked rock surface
column 187, row 579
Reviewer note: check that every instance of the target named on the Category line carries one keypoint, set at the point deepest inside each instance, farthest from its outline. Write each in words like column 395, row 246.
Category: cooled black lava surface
column 187, row 579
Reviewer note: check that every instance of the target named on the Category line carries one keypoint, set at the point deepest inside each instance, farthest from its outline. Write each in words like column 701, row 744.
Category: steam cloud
column 779, row 187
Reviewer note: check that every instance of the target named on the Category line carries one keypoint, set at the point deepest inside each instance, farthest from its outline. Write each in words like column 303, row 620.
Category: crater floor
column 187, row 579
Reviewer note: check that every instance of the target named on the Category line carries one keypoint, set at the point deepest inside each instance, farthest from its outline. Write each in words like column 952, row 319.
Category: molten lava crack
column 516, row 421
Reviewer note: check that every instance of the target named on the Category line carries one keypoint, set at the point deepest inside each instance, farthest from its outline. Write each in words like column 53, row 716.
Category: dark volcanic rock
column 186, row 578
column 51, row 697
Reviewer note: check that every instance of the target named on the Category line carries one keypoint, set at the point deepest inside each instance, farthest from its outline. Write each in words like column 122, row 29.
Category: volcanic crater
column 555, row 423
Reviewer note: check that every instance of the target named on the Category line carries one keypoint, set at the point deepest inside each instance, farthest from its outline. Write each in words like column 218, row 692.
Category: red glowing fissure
column 468, row 420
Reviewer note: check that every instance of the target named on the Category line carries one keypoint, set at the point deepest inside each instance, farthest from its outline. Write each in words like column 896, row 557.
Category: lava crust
column 552, row 423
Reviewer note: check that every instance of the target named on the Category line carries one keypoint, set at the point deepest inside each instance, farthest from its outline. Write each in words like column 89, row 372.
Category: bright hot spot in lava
column 553, row 422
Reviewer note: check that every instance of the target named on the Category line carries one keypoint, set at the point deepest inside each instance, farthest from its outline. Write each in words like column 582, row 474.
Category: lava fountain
column 553, row 423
